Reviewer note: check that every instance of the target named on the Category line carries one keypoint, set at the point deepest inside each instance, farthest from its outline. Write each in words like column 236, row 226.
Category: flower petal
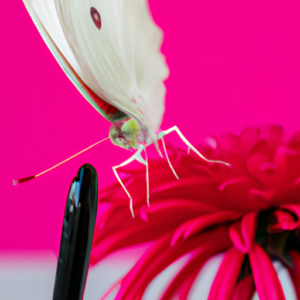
column 179, row 210
column 196, row 225
column 108, row 241
column 210, row 220
column 225, row 280
column 186, row 287
column 193, row 266
column 295, row 272
column 282, row 220
column 266, row 280
column 161, row 255
column 244, row 289
column 242, row 233
column 294, row 208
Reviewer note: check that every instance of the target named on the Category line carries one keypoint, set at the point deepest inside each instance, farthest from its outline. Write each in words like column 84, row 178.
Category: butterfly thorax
column 126, row 134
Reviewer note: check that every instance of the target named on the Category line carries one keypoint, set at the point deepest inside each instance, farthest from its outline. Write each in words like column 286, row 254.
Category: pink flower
column 250, row 211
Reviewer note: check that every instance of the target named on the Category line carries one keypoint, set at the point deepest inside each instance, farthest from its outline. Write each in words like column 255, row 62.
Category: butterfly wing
column 44, row 16
column 121, row 61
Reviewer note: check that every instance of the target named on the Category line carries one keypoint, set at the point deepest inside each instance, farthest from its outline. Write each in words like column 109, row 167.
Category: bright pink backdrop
column 231, row 65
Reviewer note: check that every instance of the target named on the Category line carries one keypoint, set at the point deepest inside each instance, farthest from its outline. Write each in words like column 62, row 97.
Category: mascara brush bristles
column 21, row 180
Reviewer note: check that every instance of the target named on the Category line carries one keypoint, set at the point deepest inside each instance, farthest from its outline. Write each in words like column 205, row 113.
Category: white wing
column 121, row 62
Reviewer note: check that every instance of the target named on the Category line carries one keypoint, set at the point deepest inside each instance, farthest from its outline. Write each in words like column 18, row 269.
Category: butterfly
column 110, row 50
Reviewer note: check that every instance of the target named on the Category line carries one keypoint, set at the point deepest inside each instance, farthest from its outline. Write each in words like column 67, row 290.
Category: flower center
column 277, row 233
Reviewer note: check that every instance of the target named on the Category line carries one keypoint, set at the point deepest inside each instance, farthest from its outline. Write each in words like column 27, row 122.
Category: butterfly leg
column 166, row 153
column 190, row 146
column 137, row 156
column 147, row 178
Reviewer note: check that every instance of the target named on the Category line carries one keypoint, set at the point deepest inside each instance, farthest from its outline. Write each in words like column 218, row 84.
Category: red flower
column 251, row 211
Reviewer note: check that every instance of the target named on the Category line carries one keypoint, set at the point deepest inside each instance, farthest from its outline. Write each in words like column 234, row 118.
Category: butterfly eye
column 96, row 17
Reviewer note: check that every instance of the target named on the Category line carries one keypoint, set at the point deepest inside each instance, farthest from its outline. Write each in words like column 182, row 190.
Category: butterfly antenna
column 21, row 180
column 166, row 153
column 147, row 178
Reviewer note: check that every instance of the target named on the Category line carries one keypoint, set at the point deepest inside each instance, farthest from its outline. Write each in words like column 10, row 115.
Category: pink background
column 231, row 65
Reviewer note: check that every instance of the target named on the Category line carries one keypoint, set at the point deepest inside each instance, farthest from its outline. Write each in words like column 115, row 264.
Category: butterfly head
column 125, row 134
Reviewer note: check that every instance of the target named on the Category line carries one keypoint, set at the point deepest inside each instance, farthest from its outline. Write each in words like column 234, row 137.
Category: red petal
column 191, row 269
column 236, row 237
column 282, row 220
column 160, row 256
column 266, row 280
column 249, row 228
column 294, row 208
column 147, row 232
column 186, row 287
column 289, row 195
column 242, row 233
column 245, row 289
column 179, row 232
column 295, row 272
column 225, row 280
column 194, row 226
column 232, row 194
column 168, row 214
column 204, row 222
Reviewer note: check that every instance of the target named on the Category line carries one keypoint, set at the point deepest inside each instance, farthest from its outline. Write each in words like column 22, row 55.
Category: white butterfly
column 118, row 58
column 110, row 50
